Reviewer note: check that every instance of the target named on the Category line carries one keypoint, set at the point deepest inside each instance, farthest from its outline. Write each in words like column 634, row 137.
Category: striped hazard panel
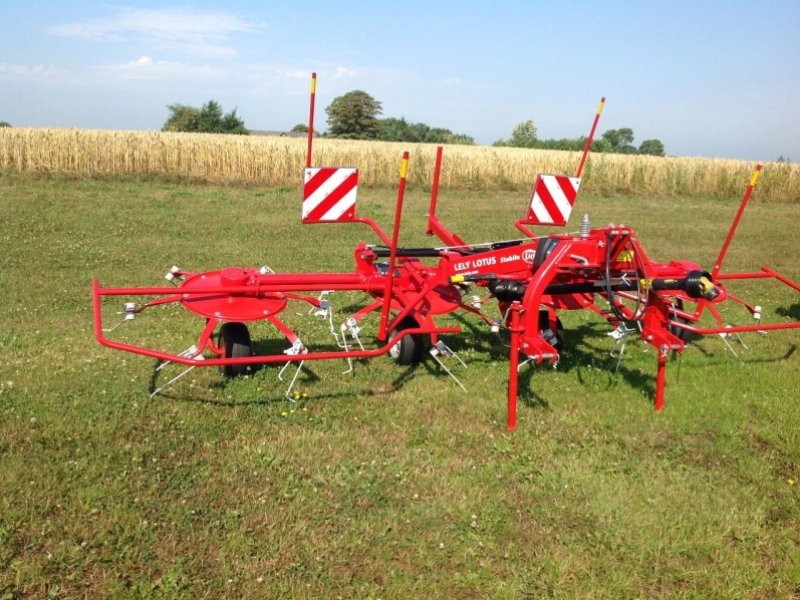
column 552, row 199
column 329, row 194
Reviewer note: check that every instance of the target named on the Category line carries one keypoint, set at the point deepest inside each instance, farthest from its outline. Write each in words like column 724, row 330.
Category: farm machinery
column 407, row 290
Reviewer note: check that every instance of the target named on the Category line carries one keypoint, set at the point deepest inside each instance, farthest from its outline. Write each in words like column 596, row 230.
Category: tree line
column 354, row 115
column 351, row 116
column 619, row 141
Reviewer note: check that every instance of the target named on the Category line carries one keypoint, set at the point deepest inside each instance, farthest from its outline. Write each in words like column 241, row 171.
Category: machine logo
column 528, row 255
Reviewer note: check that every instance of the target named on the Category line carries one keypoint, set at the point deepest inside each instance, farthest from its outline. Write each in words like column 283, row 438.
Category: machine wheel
column 554, row 338
column 234, row 340
column 410, row 350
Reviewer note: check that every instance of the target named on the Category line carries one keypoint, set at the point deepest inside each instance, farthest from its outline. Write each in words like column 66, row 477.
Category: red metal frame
column 529, row 278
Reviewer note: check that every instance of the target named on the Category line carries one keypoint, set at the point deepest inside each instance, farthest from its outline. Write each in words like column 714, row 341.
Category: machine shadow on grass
column 792, row 312
column 579, row 356
column 582, row 355
column 276, row 393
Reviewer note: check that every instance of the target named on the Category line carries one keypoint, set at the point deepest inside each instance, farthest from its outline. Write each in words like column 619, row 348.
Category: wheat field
column 278, row 161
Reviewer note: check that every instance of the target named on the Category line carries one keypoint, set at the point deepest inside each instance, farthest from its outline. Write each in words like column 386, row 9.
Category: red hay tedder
column 532, row 279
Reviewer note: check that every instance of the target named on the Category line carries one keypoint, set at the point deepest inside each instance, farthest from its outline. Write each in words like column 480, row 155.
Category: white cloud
column 146, row 68
column 345, row 73
column 288, row 72
column 40, row 72
column 190, row 31
column 326, row 73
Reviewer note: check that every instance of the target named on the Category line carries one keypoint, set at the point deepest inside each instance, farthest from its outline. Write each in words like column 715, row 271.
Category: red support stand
column 661, row 379
column 513, row 366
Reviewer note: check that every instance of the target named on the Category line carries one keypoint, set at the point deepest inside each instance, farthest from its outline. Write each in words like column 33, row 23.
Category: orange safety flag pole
column 387, row 294
column 588, row 145
column 742, row 205
column 311, row 118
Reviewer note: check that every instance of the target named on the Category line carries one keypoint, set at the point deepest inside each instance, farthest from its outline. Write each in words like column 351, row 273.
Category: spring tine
column 448, row 371
column 288, row 394
column 171, row 381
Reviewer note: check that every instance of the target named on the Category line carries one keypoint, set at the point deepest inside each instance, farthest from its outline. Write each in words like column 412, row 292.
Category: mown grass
column 392, row 483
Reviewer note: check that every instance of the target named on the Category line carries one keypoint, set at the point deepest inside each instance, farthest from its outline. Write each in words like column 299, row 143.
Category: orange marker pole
column 387, row 293
column 588, row 145
column 742, row 205
column 311, row 118
column 437, row 170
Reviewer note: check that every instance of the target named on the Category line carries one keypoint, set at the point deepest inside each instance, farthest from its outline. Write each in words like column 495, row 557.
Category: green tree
column 211, row 117
column 524, row 135
column 620, row 140
column 354, row 116
column 300, row 128
column 400, row 130
column 182, row 118
column 5, row 124
column 393, row 130
column 652, row 147
column 207, row 119
column 231, row 123
column 439, row 135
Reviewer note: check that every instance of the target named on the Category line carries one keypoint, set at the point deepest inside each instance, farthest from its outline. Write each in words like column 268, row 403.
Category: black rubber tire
column 543, row 250
column 544, row 325
column 234, row 340
column 410, row 350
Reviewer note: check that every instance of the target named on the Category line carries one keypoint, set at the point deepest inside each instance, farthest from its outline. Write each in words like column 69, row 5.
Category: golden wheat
column 274, row 161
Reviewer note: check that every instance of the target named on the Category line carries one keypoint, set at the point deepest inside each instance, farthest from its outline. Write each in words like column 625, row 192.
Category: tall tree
column 354, row 116
column 182, row 118
column 207, row 119
column 524, row 135
column 211, row 117
column 231, row 123
column 653, row 147
column 620, row 140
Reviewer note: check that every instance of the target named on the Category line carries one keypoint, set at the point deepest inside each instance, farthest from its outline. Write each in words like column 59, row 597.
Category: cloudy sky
column 706, row 78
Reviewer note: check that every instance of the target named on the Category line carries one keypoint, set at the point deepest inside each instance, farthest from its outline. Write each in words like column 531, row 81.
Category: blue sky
column 715, row 79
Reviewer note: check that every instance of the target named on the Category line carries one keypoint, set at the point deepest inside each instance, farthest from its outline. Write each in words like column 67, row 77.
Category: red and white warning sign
column 329, row 194
column 552, row 199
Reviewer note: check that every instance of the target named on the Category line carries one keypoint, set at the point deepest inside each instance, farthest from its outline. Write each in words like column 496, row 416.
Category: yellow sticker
column 756, row 175
column 625, row 256
column 404, row 169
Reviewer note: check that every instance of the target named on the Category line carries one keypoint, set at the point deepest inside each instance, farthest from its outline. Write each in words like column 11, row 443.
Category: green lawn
column 391, row 483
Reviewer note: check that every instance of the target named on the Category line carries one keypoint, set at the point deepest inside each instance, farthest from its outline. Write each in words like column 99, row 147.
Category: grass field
column 392, row 483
